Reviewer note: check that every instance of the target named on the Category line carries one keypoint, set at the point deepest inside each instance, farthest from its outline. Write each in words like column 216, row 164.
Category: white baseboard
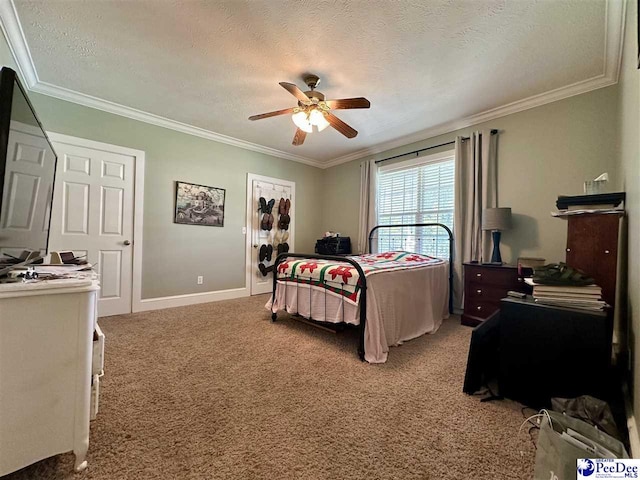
column 632, row 425
column 189, row 299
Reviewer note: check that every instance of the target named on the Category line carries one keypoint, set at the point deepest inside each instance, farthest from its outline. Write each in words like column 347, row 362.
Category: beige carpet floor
column 216, row 391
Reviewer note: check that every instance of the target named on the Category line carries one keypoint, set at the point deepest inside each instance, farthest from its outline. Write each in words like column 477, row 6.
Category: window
column 418, row 191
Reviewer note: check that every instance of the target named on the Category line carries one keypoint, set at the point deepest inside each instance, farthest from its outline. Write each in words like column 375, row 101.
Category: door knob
column 127, row 243
column 255, row 245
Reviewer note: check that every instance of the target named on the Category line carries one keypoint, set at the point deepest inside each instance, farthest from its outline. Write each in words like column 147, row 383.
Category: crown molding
column 62, row 93
column 614, row 29
column 615, row 14
column 14, row 34
column 535, row 101
column 614, row 35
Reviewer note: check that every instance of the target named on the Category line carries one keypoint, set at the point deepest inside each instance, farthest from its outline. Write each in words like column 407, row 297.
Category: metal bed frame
column 362, row 280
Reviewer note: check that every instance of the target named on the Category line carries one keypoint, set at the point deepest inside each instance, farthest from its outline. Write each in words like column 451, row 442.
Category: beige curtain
column 368, row 205
column 476, row 188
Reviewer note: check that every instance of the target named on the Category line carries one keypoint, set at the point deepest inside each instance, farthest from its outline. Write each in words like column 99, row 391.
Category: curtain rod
column 493, row 132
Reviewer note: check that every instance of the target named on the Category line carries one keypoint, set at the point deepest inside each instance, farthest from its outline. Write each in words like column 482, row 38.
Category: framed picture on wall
column 199, row 205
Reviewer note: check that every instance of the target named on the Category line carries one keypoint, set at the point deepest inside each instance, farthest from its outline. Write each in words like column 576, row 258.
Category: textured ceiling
column 213, row 64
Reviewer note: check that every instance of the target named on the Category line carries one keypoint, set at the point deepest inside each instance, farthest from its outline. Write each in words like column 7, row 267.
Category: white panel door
column 93, row 215
column 269, row 189
column 25, row 203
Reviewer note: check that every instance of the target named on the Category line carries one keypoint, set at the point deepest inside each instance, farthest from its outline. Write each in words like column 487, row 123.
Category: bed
column 391, row 297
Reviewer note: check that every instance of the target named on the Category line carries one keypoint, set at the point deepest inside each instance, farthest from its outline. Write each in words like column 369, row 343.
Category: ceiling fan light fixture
column 314, row 111
column 301, row 119
column 316, row 117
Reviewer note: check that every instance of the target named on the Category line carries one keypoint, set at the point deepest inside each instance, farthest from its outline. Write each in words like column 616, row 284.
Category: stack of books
column 588, row 297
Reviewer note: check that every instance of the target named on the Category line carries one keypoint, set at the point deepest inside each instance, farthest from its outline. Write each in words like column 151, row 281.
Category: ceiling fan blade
column 298, row 138
column 271, row 114
column 340, row 126
column 296, row 92
column 346, row 103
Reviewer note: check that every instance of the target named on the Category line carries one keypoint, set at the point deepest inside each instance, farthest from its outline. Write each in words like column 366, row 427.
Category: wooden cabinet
column 484, row 286
column 592, row 246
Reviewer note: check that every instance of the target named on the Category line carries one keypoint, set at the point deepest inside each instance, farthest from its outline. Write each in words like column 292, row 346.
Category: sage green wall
column 542, row 153
column 174, row 255
column 629, row 138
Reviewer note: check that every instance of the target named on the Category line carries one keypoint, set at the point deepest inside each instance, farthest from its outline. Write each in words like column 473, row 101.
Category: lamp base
column 496, row 258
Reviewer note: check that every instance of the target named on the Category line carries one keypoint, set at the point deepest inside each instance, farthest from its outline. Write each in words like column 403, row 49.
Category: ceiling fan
column 314, row 111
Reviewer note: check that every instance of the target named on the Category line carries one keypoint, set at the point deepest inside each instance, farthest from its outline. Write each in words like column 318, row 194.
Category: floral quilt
column 341, row 278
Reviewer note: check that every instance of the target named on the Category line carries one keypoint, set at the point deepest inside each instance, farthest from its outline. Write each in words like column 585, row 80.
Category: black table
column 548, row 351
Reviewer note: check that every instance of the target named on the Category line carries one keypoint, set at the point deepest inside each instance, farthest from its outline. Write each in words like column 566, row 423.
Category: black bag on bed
column 334, row 246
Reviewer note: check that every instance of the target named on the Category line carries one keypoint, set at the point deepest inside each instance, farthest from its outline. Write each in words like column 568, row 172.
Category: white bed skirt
column 401, row 305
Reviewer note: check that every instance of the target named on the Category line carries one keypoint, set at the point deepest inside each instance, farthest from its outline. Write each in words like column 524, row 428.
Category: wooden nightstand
column 484, row 286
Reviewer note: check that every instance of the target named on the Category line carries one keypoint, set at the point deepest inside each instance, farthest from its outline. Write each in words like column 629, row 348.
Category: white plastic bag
column 558, row 451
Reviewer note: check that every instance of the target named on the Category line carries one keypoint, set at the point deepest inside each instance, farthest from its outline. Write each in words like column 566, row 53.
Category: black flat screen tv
column 27, row 173
column 483, row 360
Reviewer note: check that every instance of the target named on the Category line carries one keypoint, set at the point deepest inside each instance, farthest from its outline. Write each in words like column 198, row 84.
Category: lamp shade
column 301, row 119
column 316, row 117
column 496, row 218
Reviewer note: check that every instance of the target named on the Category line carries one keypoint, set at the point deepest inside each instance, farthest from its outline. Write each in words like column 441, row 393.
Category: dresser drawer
column 95, row 396
column 484, row 286
column 491, row 276
column 97, row 361
column 477, row 291
column 481, row 308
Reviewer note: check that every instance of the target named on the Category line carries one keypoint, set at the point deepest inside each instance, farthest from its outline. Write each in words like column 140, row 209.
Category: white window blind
column 418, row 191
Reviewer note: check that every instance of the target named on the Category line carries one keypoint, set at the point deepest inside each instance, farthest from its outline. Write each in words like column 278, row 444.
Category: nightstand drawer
column 478, row 291
column 490, row 276
column 484, row 286
column 481, row 308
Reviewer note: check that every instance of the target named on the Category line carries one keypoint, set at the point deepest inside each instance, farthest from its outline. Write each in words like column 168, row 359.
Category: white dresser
column 47, row 336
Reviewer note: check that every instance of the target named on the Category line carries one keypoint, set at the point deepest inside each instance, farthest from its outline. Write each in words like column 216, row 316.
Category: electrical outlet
column 200, row 279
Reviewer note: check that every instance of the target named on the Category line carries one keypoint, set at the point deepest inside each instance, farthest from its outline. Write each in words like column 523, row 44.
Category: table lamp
column 496, row 220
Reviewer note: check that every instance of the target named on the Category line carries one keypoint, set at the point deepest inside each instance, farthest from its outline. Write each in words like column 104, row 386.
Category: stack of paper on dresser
column 588, row 297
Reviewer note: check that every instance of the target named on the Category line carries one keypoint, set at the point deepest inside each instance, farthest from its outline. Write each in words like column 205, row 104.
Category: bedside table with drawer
column 484, row 286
